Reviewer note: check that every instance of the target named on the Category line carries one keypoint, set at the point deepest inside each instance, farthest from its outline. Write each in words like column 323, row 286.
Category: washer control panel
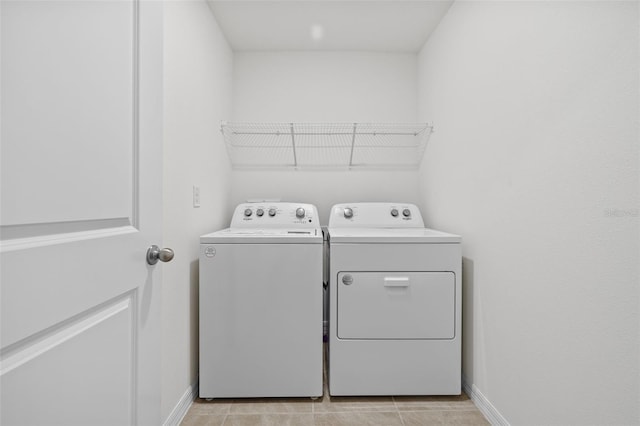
column 275, row 215
column 376, row 215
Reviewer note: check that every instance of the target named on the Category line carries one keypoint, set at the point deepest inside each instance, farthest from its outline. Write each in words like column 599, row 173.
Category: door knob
column 155, row 253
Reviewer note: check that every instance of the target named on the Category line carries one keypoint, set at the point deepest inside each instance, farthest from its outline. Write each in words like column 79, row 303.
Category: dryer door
column 396, row 305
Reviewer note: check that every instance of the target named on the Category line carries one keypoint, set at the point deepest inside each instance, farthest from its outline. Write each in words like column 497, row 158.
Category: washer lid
column 264, row 236
column 391, row 235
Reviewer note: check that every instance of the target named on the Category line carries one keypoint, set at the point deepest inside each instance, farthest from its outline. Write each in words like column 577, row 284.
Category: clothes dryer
column 395, row 303
column 261, row 304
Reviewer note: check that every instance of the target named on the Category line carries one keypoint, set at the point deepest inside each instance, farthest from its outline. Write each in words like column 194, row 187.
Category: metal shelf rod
column 299, row 147
column 326, row 134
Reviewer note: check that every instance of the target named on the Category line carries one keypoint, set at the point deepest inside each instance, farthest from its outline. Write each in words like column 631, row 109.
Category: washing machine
column 261, row 304
column 394, row 302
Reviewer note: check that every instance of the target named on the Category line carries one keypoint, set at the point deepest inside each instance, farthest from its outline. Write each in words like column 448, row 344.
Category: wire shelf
column 325, row 145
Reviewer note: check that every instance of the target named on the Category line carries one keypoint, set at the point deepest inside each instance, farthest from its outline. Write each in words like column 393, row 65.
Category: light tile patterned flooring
column 336, row 411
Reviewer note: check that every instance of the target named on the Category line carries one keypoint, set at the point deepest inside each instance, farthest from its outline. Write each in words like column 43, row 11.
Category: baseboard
column 486, row 408
column 183, row 405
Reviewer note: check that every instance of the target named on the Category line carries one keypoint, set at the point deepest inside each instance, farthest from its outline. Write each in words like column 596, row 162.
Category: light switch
column 196, row 196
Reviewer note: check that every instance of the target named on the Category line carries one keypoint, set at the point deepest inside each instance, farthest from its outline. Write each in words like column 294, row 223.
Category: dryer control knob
column 348, row 213
column 406, row 212
column 272, row 212
column 394, row 212
column 300, row 213
column 247, row 212
column 260, row 212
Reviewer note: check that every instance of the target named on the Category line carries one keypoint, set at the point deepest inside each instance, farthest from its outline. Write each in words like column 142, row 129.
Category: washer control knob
column 348, row 213
column 260, row 212
column 394, row 212
column 247, row 212
column 299, row 212
column 406, row 212
column 272, row 212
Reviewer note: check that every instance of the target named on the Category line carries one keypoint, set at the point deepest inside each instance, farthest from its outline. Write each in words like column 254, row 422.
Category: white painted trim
column 25, row 352
column 183, row 405
column 486, row 408
column 48, row 240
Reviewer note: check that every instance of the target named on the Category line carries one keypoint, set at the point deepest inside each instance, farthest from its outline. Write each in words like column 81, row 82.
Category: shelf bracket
column 293, row 144
column 353, row 142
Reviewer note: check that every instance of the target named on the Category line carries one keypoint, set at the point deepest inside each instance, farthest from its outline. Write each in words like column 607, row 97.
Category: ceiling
column 365, row 25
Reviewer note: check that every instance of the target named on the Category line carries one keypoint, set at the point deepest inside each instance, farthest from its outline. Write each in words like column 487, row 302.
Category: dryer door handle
column 396, row 281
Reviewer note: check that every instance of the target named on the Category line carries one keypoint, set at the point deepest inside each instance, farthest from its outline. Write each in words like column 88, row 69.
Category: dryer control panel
column 275, row 215
column 375, row 215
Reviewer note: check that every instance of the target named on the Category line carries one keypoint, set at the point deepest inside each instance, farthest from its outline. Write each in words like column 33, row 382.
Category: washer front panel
column 260, row 320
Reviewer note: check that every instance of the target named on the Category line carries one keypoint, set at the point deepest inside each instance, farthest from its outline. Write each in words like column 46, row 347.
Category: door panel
column 83, row 366
column 396, row 305
column 46, row 285
column 68, row 98
column 81, row 194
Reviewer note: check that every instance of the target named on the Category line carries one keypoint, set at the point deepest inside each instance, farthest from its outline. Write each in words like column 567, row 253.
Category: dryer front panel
column 396, row 305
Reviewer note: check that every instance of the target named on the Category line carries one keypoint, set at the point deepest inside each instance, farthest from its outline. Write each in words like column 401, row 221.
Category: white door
column 81, row 201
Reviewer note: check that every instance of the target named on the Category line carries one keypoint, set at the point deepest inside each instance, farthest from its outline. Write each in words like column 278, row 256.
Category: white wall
column 535, row 162
column 325, row 86
column 198, row 73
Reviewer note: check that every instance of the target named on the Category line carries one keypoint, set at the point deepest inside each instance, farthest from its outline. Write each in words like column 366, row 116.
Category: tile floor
column 336, row 411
